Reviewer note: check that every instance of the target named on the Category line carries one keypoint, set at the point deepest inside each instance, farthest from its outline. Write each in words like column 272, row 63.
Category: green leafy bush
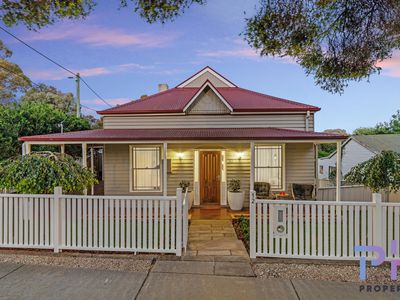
column 184, row 185
column 382, row 172
column 234, row 185
column 244, row 225
column 41, row 172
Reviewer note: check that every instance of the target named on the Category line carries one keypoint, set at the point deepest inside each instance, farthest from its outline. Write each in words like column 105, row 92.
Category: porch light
column 180, row 155
column 240, row 155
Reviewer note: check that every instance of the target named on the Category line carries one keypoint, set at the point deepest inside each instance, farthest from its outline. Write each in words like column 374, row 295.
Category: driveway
column 167, row 280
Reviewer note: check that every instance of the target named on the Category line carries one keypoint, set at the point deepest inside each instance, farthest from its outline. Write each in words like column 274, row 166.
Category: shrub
column 234, row 185
column 184, row 185
column 41, row 172
column 382, row 172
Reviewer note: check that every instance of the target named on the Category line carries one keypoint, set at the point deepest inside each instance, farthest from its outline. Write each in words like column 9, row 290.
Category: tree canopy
column 12, row 79
column 382, row 172
column 37, row 14
column 391, row 127
column 31, row 118
column 48, row 94
column 335, row 41
column 41, row 172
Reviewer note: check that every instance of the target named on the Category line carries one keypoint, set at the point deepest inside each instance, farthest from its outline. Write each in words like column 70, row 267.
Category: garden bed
column 242, row 229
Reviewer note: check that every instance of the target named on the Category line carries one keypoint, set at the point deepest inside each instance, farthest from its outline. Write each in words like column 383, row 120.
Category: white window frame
column 283, row 164
column 131, row 169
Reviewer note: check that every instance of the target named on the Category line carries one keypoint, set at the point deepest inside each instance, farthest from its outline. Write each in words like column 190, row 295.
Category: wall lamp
column 180, row 155
column 240, row 155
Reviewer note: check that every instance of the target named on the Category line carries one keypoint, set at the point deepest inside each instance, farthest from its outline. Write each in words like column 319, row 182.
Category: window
column 145, row 168
column 321, row 169
column 269, row 165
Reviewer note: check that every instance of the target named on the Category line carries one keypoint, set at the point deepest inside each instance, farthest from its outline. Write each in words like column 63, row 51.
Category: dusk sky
column 122, row 58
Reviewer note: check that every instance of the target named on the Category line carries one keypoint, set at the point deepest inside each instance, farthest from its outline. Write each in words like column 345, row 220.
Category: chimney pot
column 162, row 87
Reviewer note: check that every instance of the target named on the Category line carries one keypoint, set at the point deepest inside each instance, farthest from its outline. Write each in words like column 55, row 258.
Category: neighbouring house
column 206, row 130
column 357, row 149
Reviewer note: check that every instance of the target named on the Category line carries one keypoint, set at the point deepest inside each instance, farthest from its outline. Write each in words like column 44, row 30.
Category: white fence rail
column 95, row 223
column 321, row 230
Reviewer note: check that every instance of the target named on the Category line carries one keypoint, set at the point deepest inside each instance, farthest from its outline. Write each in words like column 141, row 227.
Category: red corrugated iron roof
column 101, row 135
column 241, row 100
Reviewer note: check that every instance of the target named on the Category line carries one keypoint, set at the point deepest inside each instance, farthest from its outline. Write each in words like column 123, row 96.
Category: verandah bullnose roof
column 103, row 135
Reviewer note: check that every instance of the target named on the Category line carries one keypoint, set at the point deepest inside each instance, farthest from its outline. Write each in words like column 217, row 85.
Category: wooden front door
column 210, row 177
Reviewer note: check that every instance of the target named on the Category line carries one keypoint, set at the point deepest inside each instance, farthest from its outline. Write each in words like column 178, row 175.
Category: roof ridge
column 137, row 100
column 277, row 98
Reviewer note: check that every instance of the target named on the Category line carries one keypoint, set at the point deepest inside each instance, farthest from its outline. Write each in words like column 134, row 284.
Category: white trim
column 232, row 113
column 131, row 190
column 201, row 90
column 338, row 171
column 205, row 70
column 221, row 141
column 283, row 165
column 164, row 170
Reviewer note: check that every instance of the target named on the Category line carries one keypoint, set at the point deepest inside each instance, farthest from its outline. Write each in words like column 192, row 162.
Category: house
column 357, row 149
column 206, row 130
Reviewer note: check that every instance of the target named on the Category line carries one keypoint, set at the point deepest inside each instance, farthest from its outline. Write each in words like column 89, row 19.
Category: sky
column 122, row 57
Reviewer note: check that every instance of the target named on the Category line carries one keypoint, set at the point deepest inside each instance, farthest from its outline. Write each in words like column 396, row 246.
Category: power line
column 94, row 92
column 56, row 63
column 37, row 51
column 36, row 84
column 20, row 75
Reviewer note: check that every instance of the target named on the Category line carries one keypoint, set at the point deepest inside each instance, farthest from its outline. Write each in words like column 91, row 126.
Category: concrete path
column 167, row 280
column 214, row 238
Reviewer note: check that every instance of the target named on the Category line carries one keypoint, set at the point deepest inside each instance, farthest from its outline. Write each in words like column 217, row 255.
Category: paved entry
column 214, row 238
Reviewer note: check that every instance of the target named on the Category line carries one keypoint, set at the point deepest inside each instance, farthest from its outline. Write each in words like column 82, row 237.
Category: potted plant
column 184, row 185
column 235, row 196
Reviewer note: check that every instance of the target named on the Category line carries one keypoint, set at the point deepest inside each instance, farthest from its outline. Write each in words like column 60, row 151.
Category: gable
column 206, row 74
column 208, row 102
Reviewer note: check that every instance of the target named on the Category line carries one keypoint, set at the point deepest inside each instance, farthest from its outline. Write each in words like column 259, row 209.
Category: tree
column 327, row 149
column 43, row 93
column 336, row 41
column 391, row 127
column 31, row 118
column 41, row 172
column 382, row 172
column 37, row 14
column 12, row 79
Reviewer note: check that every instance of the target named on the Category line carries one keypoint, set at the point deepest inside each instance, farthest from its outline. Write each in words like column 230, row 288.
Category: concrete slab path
column 214, row 238
column 167, row 280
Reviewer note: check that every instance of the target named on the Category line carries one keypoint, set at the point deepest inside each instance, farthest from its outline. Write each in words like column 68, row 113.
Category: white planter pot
column 236, row 200
column 191, row 199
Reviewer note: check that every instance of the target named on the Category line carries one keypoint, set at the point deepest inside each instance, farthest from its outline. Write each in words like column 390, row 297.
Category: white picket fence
column 94, row 223
column 321, row 229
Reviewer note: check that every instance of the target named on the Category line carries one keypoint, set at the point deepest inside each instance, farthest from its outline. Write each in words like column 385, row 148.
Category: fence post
column 252, row 224
column 56, row 218
column 377, row 220
column 179, row 222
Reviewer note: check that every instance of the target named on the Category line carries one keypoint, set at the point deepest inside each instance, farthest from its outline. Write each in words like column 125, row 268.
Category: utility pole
column 78, row 95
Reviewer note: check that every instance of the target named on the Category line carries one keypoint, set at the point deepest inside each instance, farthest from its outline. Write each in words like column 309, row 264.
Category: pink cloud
column 101, row 36
column 112, row 101
column 242, row 52
column 58, row 74
column 391, row 66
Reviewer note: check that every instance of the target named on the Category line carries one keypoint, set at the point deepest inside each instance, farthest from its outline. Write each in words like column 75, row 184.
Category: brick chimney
column 162, row 87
